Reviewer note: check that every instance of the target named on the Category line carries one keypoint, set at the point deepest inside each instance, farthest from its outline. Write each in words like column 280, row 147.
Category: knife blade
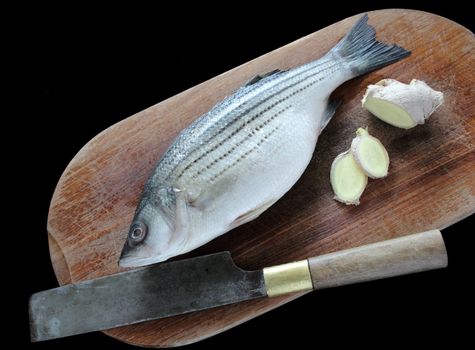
column 204, row 282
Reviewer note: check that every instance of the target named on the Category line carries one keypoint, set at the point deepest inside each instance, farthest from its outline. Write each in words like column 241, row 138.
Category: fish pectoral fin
column 259, row 77
column 200, row 204
column 251, row 214
column 197, row 200
column 329, row 112
column 181, row 210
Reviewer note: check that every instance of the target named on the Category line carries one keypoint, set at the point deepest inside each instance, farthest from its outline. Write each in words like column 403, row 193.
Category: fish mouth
column 127, row 258
column 130, row 258
column 124, row 255
column 131, row 261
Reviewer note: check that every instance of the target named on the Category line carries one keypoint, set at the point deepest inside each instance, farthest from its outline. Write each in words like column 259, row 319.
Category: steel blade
column 140, row 295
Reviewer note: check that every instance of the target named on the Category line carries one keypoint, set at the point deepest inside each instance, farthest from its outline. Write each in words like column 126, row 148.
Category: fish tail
column 360, row 49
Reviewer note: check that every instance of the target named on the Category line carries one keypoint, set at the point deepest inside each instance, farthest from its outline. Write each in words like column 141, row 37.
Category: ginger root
column 350, row 170
column 370, row 154
column 402, row 105
column 347, row 179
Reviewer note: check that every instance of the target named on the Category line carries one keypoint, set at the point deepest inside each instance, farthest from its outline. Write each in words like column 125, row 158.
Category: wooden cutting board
column 431, row 182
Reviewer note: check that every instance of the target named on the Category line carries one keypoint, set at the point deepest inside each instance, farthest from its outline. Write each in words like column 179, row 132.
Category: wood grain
column 431, row 182
column 393, row 257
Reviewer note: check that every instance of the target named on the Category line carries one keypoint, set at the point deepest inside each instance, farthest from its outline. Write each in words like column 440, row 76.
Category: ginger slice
column 370, row 154
column 347, row 179
column 402, row 105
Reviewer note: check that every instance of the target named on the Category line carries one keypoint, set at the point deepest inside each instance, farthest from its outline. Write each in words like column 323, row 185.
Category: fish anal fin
column 251, row 214
column 329, row 112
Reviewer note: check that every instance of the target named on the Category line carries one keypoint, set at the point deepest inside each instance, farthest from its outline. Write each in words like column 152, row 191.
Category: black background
column 89, row 68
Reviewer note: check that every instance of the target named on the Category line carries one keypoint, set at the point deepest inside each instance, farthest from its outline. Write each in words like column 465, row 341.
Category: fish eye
column 137, row 233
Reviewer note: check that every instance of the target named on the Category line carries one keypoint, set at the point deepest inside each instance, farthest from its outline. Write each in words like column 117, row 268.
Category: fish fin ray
column 197, row 201
column 363, row 53
column 181, row 210
column 329, row 112
column 251, row 214
column 259, row 77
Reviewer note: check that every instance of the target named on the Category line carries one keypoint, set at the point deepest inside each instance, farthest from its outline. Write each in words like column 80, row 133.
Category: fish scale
column 247, row 119
column 238, row 159
column 224, row 114
column 245, row 144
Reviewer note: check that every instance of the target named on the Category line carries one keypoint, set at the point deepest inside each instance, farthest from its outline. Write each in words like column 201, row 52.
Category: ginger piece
column 370, row 154
column 402, row 105
column 347, row 179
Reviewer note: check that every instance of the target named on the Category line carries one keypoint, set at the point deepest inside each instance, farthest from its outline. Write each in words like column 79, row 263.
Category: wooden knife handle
column 400, row 256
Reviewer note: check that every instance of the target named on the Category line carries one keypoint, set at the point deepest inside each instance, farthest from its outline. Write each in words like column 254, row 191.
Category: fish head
column 149, row 238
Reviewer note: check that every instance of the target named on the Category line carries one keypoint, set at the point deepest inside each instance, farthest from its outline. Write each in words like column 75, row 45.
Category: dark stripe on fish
column 239, row 116
column 233, row 148
column 245, row 154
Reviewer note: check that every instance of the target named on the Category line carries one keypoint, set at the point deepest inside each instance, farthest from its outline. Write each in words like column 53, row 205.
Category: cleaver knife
column 204, row 282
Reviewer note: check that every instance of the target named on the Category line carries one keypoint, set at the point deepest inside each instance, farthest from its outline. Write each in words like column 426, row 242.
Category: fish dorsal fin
column 259, row 77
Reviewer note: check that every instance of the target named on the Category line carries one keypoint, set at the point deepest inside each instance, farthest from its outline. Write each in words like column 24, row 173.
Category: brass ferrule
column 288, row 278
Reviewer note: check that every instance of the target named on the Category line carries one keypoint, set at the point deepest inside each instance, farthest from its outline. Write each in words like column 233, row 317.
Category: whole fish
column 238, row 159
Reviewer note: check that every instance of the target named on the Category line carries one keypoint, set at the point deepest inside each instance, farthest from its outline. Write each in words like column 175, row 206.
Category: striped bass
column 238, row 159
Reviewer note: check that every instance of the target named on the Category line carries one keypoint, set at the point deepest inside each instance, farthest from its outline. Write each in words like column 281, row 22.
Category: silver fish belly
column 253, row 151
column 238, row 159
